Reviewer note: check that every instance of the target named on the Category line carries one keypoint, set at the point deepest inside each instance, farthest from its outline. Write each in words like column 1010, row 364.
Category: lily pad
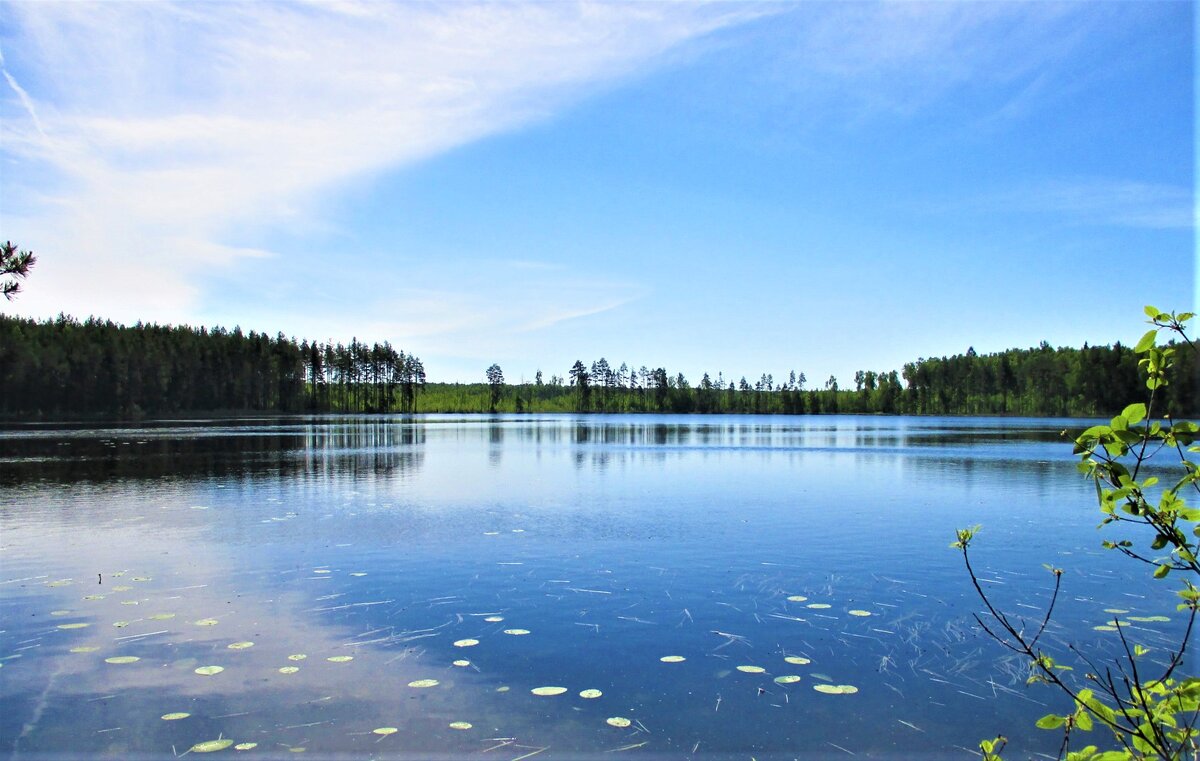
column 672, row 659
column 590, row 694
column 860, row 613
column 494, row 619
column 289, row 669
column 340, row 658
column 423, row 683
column 84, row 649
column 209, row 670
column 618, row 721
column 206, row 622
column 245, row 746
column 462, row 663
column 239, row 645
column 548, row 691
column 460, row 725
column 466, row 643
column 297, row 657
column 122, row 588
column 1149, row 619
column 122, row 659
column 76, row 625
column 385, row 731
column 162, row 616
column 1115, row 610
column 787, row 679
column 141, row 578
column 130, row 602
column 516, row 632
column 120, row 624
column 818, row 605
column 211, row 746
column 797, row 660
column 94, row 597
column 836, row 689
column 59, row 583
column 60, row 612
column 1105, row 628
column 797, row 598
column 751, row 669
column 175, row 716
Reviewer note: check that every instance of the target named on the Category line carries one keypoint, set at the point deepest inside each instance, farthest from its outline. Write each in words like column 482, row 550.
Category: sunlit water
column 613, row 541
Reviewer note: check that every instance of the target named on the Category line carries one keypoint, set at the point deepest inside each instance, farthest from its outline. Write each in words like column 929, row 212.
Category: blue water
column 614, row 540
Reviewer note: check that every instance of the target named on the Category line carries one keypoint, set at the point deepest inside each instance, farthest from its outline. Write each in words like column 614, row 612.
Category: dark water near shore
column 410, row 544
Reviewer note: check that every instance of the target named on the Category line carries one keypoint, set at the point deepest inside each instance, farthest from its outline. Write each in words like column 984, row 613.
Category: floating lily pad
column 385, row 731
column 1115, row 610
column 548, row 691
column 175, row 716
column 462, row 663
column 122, row 659
column 162, row 616
column 787, row 679
column 618, row 721
column 1149, row 619
column 751, row 669
column 245, row 746
column 76, row 625
column 1105, row 628
column 422, row 683
column 494, row 619
column 818, row 605
column 836, row 689
column 120, row 624
column 297, row 657
column 504, row 688
column 206, row 622
column 460, row 725
column 672, row 659
column 122, row 588
column 590, row 694
column 60, row 612
column 130, row 602
column 798, row 660
column 59, row 583
column 289, row 669
column 239, row 645
column 209, row 670
column 93, row 597
column 141, row 578
column 84, row 649
column 340, row 658
column 861, row 613
column 466, row 643
column 211, row 746
column 516, row 632
column 797, row 598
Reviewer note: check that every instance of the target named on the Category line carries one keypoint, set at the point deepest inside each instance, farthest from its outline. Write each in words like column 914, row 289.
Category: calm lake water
column 351, row 574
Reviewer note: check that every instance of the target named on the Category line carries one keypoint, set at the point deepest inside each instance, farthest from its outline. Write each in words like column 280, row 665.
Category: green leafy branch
column 1149, row 716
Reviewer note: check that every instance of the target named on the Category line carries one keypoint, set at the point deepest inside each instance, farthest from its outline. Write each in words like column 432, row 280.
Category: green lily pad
column 836, row 689
column 175, row 716
column 548, row 691
column 590, row 694
column 466, row 643
column 60, row 612
column 239, row 645
column 1115, row 610
column 289, row 669
column 84, row 649
column 818, row 605
column 245, row 746
column 460, row 725
column 494, row 619
column 162, row 616
column 206, row 622
column 1149, row 619
column 122, row 588
column 385, row 731
column 797, row 660
column 787, row 679
column 141, row 578
column 423, row 683
column 672, row 659
column 297, row 657
column 211, row 746
column 209, row 670
column 1105, row 628
column 797, row 598
column 751, row 669
column 516, row 632
column 618, row 721
column 118, row 659
column 59, row 583
column 461, row 663
column 340, row 658
column 860, row 613
column 94, row 597
column 77, row 625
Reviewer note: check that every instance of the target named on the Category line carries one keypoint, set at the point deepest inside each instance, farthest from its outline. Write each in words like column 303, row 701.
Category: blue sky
column 724, row 187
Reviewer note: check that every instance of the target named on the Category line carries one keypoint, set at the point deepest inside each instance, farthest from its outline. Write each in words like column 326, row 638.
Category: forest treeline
column 64, row 367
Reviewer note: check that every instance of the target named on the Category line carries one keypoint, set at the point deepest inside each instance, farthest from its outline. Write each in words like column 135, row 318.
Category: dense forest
column 67, row 368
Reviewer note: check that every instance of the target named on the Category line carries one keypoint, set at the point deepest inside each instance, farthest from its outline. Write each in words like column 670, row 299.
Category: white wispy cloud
column 144, row 135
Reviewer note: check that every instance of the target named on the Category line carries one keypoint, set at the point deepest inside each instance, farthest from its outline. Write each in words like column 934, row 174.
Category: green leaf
column 1134, row 413
column 1146, row 342
column 1151, row 312
column 1162, row 571
column 1050, row 721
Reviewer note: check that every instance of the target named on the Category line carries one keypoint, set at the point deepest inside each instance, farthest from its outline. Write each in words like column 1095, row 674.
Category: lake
column 723, row 587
